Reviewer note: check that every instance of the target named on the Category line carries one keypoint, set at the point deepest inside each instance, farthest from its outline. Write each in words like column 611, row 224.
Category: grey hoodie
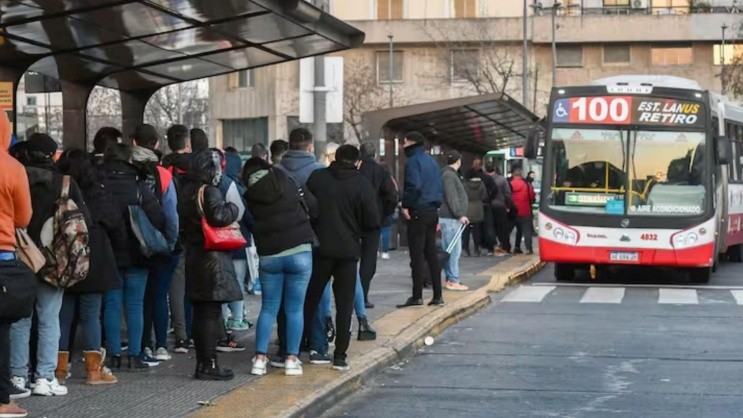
column 455, row 195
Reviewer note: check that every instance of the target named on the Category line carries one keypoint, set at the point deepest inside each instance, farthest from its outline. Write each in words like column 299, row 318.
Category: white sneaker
column 259, row 366
column 162, row 354
column 293, row 367
column 148, row 352
column 385, row 256
column 46, row 387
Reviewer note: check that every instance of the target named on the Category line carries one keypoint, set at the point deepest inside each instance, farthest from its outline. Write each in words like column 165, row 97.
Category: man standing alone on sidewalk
column 347, row 210
column 386, row 198
column 523, row 197
column 452, row 216
column 422, row 196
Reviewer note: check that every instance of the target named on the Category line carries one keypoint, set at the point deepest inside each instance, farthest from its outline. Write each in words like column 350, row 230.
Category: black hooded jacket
column 280, row 220
column 210, row 275
column 347, row 207
column 125, row 184
column 383, row 186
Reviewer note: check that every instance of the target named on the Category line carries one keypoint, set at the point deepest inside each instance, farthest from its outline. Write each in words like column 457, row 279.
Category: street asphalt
column 638, row 343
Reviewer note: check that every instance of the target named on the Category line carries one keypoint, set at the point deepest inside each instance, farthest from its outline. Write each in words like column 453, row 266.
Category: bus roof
column 648, row 80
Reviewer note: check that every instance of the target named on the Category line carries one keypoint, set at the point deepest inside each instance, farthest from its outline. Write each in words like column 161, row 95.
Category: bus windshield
column 621, row 172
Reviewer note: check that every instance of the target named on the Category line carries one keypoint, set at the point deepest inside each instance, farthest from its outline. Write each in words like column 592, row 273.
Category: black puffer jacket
column 281, row 222
column 106, row 232
column 123, row 181
column 347, row 207
column 383, row 186
column 210, row 275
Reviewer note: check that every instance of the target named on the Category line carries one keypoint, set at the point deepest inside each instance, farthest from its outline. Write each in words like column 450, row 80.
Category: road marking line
column 640, row 286
column 678, row 296
column 738, row 295
column 528, row 294
column 603, row 295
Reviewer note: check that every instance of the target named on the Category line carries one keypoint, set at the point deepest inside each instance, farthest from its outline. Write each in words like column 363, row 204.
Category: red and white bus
column 641, row 170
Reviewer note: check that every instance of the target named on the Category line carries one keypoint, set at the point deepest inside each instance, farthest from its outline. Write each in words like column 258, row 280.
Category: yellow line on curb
column 276, row 395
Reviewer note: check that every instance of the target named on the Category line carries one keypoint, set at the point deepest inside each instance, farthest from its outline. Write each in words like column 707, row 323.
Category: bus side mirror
column 531, row 147
column 724, row 150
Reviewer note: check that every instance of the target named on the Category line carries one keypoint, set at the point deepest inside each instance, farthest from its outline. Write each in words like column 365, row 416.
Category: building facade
column 452, row 48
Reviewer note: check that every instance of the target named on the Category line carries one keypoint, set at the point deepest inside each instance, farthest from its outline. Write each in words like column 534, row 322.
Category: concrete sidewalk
column 169, row 390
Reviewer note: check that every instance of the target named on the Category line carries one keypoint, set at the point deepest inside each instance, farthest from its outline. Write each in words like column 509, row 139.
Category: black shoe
column 411, row 302
column 136, row 364
column 181, row 347
column 436, row 302
column 518, row 251
column 229, row 346
column 18, row 393
column 319, row 358
column 529, row 252
column 329, row 329
column 340, row 364
column 210, row 370
column 368, row 305
column 114, row 363
column 366, row 332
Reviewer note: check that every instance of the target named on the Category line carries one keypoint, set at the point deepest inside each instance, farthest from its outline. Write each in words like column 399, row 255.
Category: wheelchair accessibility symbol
column 561, row 113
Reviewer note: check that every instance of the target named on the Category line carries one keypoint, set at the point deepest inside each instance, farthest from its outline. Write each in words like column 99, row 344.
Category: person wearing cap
column 422, row 197
column 46, row 187
column 15, row 212
column 453, row 216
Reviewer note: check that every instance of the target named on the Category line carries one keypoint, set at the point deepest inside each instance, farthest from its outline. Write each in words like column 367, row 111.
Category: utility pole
column 391, row 70
column 555, row 6
column 722, row 59
column 525, row 61
column 320, row 133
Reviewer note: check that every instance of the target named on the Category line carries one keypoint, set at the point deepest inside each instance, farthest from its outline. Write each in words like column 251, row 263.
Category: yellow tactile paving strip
column 276, row 395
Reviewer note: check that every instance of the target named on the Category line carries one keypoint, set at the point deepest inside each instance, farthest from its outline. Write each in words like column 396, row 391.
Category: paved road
column 637, row 344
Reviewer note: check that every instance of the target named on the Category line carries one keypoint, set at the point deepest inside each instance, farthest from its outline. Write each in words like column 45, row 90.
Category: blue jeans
column 237, row 308
column 90, row 319
column 163, row 275
column 449, row 228
column 358, row 299
column 386, row 236
column 318, row 338
column 283, row 278
column 48, row 305
column 130, row 299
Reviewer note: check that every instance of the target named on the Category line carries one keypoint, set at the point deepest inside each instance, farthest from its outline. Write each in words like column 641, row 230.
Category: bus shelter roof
column 476, row 124
column 145, row 44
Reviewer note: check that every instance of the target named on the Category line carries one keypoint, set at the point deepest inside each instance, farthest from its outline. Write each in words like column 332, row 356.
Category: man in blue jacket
column 422, row 197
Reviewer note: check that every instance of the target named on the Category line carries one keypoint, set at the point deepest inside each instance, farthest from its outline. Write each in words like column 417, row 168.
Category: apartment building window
column 616, row 3
column 30, row 100
column 569, row 56
column 244, row 133
column 390, row 9
column 383, row 63
column 617, row 54
column 464, row 65
column 464, row 8
column 672, row 55
column 245, row 79
column 670, row 7
column 733, row 53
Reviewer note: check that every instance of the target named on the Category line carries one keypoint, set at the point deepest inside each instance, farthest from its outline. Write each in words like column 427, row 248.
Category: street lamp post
column 391, row 70
column 525, row 62
column 555, row 6
column 722, row 59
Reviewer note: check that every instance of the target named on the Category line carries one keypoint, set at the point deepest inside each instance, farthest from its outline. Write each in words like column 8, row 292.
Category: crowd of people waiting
column 124, row 233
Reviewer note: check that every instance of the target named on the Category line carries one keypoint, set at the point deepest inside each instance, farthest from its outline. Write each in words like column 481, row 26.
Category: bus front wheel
column 700, row 274
column 564, row 271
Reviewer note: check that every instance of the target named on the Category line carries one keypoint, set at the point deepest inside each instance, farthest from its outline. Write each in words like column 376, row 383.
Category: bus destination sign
column 628, row 110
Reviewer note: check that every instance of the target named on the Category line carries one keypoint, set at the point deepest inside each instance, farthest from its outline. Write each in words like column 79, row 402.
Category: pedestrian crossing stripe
column 614, row 295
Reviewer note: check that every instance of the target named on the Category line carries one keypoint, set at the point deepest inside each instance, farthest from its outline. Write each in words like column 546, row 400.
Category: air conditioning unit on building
column 639, row 4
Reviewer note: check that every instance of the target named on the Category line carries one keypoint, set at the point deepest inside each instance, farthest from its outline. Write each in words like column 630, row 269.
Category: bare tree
column 361, row 94
column 104, row 109
column 472, row 57
column 184, row 103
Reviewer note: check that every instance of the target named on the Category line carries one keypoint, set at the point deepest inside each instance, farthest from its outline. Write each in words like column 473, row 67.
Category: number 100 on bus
column 614, row 110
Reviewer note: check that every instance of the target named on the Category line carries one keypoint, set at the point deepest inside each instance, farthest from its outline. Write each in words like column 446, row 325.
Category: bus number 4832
column 649, row 237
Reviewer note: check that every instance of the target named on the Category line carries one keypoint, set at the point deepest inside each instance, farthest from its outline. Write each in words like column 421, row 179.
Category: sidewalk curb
column 405, row 344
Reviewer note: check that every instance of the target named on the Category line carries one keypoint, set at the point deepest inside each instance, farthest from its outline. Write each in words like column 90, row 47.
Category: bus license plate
column 624, row 256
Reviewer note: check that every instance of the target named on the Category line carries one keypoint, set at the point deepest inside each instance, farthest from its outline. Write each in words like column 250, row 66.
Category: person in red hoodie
column 523, row 196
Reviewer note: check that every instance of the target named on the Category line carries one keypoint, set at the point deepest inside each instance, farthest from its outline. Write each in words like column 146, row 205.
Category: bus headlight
column 684, row 239
column 566, row 236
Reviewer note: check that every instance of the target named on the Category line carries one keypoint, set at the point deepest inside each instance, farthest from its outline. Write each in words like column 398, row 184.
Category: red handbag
column 227, row 238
